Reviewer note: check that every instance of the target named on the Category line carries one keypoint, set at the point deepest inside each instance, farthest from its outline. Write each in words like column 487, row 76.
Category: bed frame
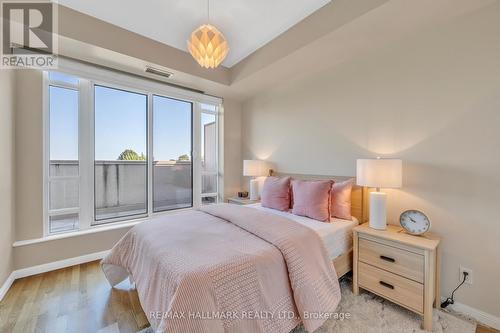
column 359, row 209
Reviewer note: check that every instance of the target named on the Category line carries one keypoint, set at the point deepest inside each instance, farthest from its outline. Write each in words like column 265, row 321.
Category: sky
column 63, row 124
column 120, row 123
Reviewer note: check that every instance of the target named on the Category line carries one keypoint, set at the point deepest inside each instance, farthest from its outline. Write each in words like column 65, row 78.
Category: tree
column 130, row 155
column 184, row 157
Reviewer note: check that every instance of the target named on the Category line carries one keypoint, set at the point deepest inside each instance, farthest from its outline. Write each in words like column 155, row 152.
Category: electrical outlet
column 469, row 279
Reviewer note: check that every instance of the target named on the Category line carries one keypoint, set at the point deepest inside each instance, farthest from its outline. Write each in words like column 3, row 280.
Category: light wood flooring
column 76, row 299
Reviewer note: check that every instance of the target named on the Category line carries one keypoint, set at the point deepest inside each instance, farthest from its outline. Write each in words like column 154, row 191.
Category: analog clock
column 415, row 222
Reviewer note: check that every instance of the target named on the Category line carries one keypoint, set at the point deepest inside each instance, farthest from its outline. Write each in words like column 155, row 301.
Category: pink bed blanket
column 226, row 268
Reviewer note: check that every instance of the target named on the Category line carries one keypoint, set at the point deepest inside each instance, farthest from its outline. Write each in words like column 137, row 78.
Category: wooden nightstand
column 241, row 201
column 402, row 268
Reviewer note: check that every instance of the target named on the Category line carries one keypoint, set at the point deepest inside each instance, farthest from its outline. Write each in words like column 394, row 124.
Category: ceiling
column 247, row 24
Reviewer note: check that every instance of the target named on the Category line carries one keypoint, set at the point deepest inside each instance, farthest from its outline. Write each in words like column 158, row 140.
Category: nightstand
column 399, row 267
column 241, row 201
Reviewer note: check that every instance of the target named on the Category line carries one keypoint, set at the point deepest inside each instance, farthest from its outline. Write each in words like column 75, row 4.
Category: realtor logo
column 28, row 36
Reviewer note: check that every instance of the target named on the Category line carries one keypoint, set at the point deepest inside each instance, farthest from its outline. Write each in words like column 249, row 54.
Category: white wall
column 432, row 99
column 233, row 164
column 29, row 154
column 7, row 83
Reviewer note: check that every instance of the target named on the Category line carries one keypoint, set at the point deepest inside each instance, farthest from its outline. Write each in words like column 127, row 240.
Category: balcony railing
column 120, row 186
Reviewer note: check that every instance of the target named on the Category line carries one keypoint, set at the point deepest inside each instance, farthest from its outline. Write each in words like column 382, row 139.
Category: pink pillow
column 312, row 199
column 341, row 199
column 276, row 193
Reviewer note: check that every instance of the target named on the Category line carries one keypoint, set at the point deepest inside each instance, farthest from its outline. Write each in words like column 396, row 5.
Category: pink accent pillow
column 341, row 199
column 312, row 199
column 276, row 193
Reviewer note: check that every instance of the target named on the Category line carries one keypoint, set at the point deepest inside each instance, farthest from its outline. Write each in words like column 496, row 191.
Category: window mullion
column 209, row 195
column 61, row 178
column 196, row 155
column 150, row 157
column 59, row 84
column 89, row 206
column 63, row 211
column 46, row 153
column 220, row 152
column 86, row 156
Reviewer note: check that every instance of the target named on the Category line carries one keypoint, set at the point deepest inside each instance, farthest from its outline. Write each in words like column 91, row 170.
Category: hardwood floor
column 76, row 299
column 482, row 329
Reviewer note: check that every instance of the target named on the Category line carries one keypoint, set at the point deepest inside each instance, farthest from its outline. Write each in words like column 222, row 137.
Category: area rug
column 370, row 313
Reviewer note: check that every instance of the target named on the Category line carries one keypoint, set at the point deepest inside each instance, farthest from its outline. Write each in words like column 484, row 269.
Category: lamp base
column 254, row 189
column 378, row 215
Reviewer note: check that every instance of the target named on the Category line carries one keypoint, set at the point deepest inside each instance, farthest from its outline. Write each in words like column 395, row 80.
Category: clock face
column 414, row 222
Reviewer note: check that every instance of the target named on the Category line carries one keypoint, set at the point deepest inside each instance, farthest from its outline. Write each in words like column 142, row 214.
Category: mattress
column 336, row 235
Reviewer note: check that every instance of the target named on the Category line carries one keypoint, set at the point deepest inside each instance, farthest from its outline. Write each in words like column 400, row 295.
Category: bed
column 342, row 256
column 229, row 268
column 336, row 236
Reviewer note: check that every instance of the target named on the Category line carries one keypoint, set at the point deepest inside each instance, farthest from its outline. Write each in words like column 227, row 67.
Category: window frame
column 151, row 165
column 48, row 179
column 94, row 222
column 91, row 76
column 217, row 144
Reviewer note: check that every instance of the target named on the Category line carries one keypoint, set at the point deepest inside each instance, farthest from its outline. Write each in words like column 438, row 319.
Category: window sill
column 91, row 230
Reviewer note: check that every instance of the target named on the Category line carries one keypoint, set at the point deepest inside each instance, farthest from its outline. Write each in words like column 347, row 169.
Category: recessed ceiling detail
column 247, row 25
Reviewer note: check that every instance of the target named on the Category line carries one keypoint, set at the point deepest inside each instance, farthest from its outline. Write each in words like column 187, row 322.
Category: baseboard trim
column 6, row 285
column 51, row 266
column 481, row 316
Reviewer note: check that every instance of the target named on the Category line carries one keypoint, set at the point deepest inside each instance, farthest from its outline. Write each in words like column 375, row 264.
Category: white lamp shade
column 255, row 168
column 378, row 173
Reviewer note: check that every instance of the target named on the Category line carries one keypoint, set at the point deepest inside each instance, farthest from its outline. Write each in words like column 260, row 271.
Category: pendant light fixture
column 207, row 45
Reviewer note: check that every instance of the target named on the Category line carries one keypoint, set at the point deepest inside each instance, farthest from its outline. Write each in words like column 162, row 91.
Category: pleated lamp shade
column 208, row 46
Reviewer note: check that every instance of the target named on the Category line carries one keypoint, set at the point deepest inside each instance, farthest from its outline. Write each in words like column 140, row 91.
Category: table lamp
column 254, row 168
column 379, row 173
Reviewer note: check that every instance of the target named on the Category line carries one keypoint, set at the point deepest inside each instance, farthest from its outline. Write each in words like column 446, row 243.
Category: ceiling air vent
column 159, row 72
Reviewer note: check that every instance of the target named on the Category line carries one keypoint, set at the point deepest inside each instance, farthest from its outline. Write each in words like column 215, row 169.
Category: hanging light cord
column 208, row 11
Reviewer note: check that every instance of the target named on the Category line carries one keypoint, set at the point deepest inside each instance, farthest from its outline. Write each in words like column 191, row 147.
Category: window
column 209, row 158
column 120, row 153
column 63, row 168
column 172, row 145
column 119, row 148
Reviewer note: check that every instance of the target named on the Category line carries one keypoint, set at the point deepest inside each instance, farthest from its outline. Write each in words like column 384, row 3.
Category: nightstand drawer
column 399, row 267
column 402, row 262
column 394, row 287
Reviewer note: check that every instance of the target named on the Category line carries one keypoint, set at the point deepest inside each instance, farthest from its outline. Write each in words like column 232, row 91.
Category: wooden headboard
column 359, row 196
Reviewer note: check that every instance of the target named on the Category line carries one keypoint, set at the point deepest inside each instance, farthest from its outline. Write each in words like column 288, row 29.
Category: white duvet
column 336, row 235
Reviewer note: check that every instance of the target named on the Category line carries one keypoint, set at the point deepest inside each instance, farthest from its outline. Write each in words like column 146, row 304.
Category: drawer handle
column 389, row 259
column 387, row 285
